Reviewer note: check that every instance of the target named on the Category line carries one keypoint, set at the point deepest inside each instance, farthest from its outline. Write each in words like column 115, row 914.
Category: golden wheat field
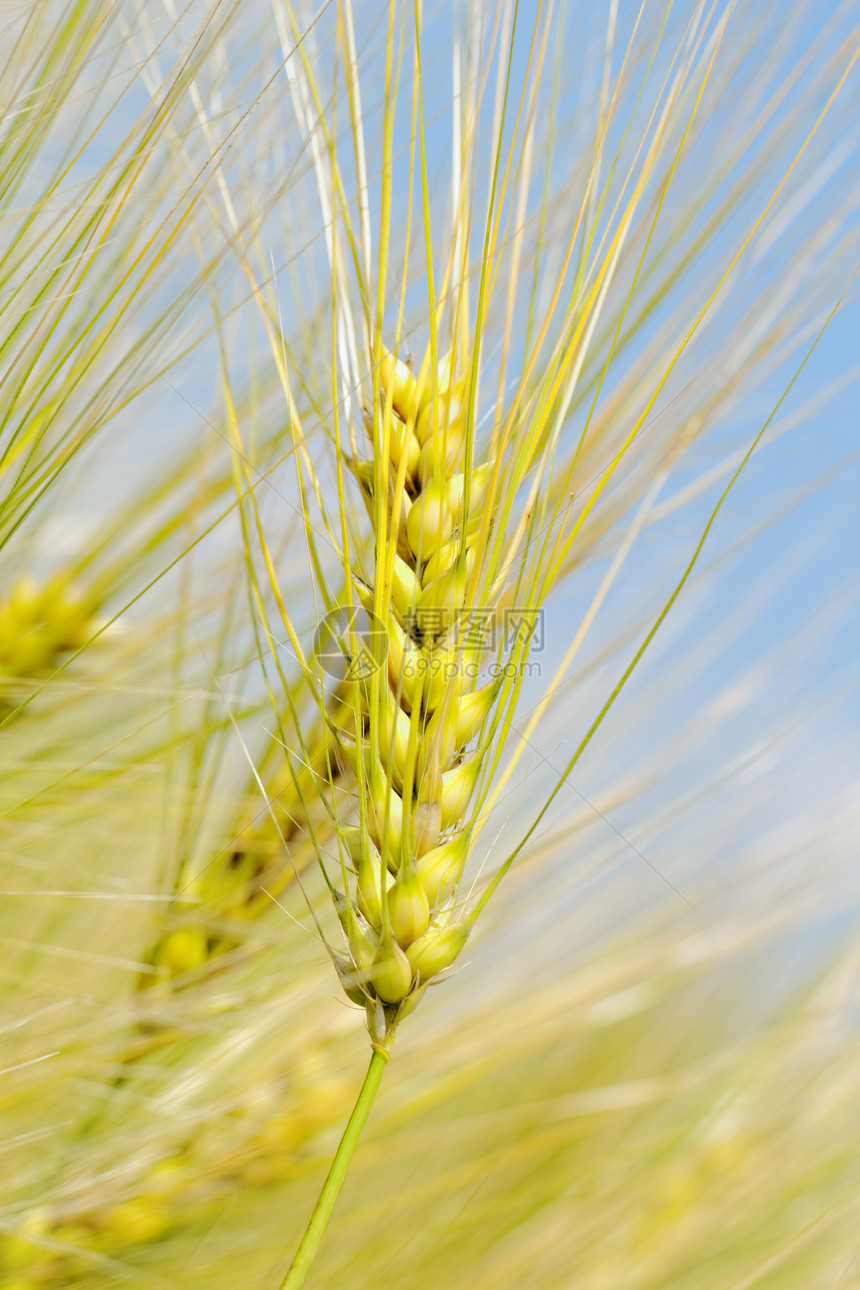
column 429, row 461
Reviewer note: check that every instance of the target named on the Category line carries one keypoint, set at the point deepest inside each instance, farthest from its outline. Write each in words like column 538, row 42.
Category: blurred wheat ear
column 441, row 345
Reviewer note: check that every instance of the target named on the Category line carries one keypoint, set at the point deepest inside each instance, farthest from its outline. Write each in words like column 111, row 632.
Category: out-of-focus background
column 644, row 1072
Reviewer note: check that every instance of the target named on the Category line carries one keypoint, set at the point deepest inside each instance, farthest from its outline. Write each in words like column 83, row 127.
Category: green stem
column 333, row 1183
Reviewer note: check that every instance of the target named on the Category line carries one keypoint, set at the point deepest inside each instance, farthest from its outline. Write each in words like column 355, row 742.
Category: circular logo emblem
column 351, row 643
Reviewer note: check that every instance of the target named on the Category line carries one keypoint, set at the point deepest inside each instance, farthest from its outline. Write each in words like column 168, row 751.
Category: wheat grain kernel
column 408, row 908
column 437, row 949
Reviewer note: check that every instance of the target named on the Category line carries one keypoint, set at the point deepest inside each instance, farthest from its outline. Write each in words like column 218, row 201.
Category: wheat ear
column 40, row 624
column 412, row 736
column 410, row 742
